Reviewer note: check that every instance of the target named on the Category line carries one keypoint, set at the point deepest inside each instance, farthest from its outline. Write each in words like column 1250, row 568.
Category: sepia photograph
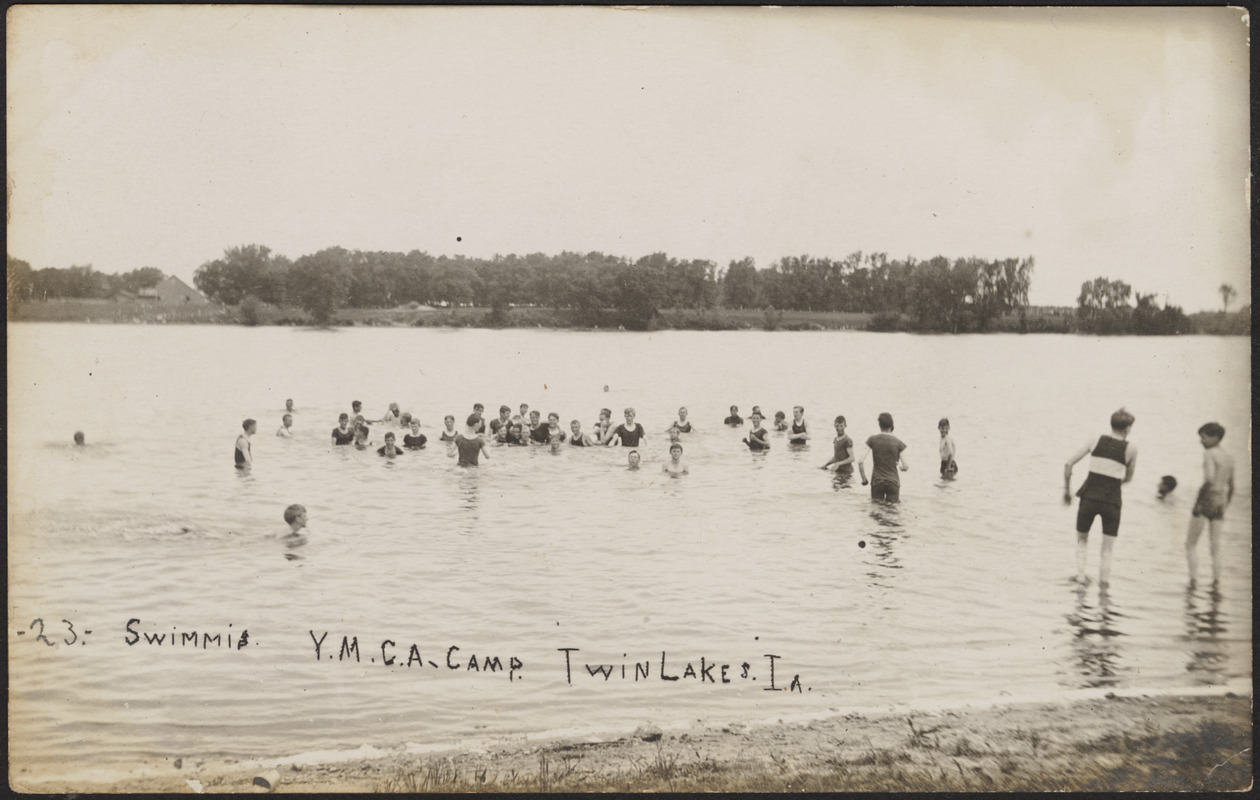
column 628, row 399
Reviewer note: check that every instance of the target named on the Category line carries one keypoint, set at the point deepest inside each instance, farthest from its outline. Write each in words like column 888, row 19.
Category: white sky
column 1106, row 142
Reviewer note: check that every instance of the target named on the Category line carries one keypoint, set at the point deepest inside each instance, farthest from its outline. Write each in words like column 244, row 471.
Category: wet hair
column 343, row 417
column 944, row 421
column 632, row 453
column 478, row 407
column 1167, row 484
column 406, row 418
column 780, row 415
column 508, row 409
column 1121, row 420
column 290, row 513
column 734, row 409
column 286, row 416
column 629, row 410
column 78, row 437
column 390, row 436
column 1213, row 429
column 356, row 404
column 451, row 417
column 473, row 420
column 842, row 420
column 248, row 423
column 799, row 408
column 675, row 444
column 885, row 421
column 605, row 412
column 413, row 421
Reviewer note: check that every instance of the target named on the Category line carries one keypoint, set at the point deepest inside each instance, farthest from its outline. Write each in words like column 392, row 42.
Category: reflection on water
column 1095, row 645
column 1205, row 633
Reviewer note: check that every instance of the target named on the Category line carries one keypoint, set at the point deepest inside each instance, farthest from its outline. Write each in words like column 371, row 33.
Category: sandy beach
column 1105, row 742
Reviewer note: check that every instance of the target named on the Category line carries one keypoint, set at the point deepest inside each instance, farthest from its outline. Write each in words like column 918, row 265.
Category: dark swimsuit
column 240, row 457
column 757, row 439
column 683, row 428
column 342, row 438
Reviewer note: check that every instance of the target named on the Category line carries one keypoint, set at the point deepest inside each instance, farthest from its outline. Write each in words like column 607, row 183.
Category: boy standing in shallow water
column 843, row 457
column 1112, row 460
column 244, row 454
column 1209, row 507
column 949, row 467
column 886, row 450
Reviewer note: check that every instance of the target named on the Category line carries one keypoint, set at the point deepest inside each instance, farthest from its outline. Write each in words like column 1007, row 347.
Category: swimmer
column 541, row 433
column 524, row 413
column 480, row 411
column 577, row 438
column 498, row 427
column 286, row 427
column 1112, row 461
column 1166, row 485
column 470, row 444
column 632, row 459
column 362, row 437
column 605, row 387
column 78, row 438
column 295, row 516
column 949, row 467
column 734, row 420
column 603, row 428
column 675, row 466
column 389, row 449
column 554, row 433
column 535, row 419
column 682, row 423
column 630, row 433
column 342, row 433
column 885, row 451
column 450, row 433
column 516, row 434
column 405, row 420
column 288, row 407
column 415, row 440
column 800, row 431
column 675, row 435
column 244, row 454
column 391, row 416
column 356, row 409
column 1209, row 506
column 843, row 456
column 756, row 439
column 780, row 421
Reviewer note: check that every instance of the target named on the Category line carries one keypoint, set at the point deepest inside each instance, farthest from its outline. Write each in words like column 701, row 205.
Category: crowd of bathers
column 527, row 428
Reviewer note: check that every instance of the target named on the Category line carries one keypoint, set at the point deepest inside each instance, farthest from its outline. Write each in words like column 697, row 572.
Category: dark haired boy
column 1112, row 460
column 885, row 450
column 244, row 455
column 1209, row 507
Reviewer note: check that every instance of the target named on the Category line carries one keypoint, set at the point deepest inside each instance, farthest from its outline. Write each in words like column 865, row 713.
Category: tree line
column 25, row 284
column 938, row 294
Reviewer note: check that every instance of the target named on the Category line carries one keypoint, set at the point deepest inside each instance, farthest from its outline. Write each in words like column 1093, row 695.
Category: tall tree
column 1227, row 293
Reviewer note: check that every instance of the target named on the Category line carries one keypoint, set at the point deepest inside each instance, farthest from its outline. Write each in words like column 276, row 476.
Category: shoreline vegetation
column 1179, row 742
column 250, row 285
column 127, row 311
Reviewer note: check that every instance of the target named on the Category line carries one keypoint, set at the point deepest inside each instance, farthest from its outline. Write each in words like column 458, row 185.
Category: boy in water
column 843, row 456
column 498, row 427
column 535, row 419
column 603, row 428
column 524, row 413
column 286, row 427
column 244, row 455
column 469, row 444
column 1166, row 485
column 734, row 420
column 1112, row 460
column 800, row 431
column 516, row 434
column 362, row 436
column 392, row 415
column 683, row 424
column 480, row 410
column 780, row 421
column 949, row 467
column 295, row 516
column 1209, row 507
column 342, row 433
column 78, row 439
column 756, row 439
column 630, row 433
column 577, row 438
column 415, row 440
column 389, row 449
column 449, row 434
column 288, row 407
column 632, row 459
column 885, row 450
column 675, row 466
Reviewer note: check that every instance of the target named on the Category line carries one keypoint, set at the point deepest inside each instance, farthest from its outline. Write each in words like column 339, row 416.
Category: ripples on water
column 960, row 591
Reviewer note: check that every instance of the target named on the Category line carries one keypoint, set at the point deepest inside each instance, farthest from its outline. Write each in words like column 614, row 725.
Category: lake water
column 959, row 592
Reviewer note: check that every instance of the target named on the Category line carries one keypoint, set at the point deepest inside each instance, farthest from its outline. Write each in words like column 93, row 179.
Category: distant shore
column 1197, row 741
column 714, row 319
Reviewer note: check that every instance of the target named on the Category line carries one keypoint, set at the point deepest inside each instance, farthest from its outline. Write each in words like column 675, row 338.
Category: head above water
column 250, row 425
column 473, row 420
column 415, row 426
column 293, row 512
column 675, row 449
column 841, row 421
column 287, row 419
column 885, row 421
column 1212, row 430
column 633, row 458
column 389, row 438
column 1122, row 420
column 343, row 418
column 779, row 416
column 1166, row 485
column 78, row 437
column 406, row 420
column 356, row 406
column 629, row 413
column 288, row 404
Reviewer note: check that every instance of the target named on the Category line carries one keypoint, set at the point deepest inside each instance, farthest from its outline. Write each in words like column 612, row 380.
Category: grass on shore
column 1215, row 756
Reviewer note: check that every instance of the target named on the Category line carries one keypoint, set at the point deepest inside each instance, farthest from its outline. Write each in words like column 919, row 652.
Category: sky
column 1101, row 142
